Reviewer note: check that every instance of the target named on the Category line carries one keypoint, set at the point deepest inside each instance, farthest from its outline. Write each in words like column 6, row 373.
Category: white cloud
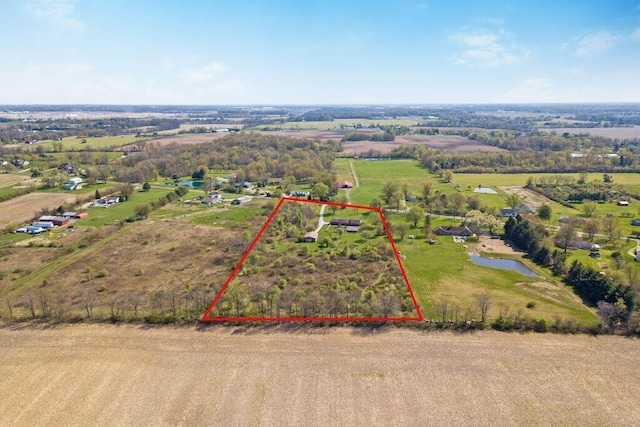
column 597, row 43
column 57, row 13
column 484, row 49
column 532, row 89
column 635, row 36
column 203, row 73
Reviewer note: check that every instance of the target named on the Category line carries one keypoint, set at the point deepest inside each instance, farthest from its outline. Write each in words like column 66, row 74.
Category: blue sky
column 318, row 52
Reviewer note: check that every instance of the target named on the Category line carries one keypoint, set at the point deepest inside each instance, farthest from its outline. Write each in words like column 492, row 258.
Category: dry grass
column 123, row 375
column 23, row 208
column 12, row 178
column 621, row 133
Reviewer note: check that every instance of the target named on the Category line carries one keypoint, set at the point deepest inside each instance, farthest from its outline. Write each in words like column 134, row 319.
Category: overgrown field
column 340, row 275
column 125, row 375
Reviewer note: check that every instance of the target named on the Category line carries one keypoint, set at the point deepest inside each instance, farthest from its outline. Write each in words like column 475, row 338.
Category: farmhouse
column 346, row 184
column 73, row 184
column 447, row 230
column 622, row 203
column 518, row 210
column 352, row 225
column 310, row 237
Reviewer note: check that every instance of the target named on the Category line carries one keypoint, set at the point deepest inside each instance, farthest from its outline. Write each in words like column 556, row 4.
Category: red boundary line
column 206, row 318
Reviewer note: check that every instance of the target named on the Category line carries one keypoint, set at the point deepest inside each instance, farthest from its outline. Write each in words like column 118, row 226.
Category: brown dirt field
column 126, row 375
column 531, row 198
column 10, row 178
column 449, row 143
column 486, row 244
column 621, row 133
column 321, row 135
column 188, row 138
column 23, row 208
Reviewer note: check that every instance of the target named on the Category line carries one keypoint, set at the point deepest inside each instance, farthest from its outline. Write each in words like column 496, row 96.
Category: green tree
column 415, row 215
column 567, row 234
column 142, row 210
column 591, row 227
column 544, row 212
column 397, row 199
column 320, row 191
column 457, row 202
column 611, row 228
column 589, row 208
column 513, row 200
column 146, row 186
column 400, row 229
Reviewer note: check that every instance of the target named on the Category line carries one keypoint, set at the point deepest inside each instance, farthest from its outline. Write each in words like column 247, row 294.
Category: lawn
column 443, row 272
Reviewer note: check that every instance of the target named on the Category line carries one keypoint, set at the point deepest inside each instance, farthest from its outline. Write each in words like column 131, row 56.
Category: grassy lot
column 75, row 143
column 443, row 272
column 117, row 213
column 335, row 125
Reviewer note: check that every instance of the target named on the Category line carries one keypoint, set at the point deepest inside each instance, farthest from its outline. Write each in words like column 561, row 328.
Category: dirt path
column 126, row 375
column 321, row 221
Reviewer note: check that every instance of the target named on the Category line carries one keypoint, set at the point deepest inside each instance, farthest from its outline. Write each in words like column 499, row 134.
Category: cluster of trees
column 530, row 236
column 369, row 136
column 82, row 128
column 253, row 157
column 617, row 300
column 566, row 189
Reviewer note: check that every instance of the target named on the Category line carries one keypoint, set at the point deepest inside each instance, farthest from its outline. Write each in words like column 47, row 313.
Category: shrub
column 531, row 304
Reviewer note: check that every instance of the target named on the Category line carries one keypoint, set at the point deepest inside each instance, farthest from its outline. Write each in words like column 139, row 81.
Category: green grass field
column 117, row 213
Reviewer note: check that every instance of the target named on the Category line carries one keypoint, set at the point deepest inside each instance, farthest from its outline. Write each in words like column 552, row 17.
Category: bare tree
column 30, row 301
column 566, row 235
column 89, row 299
column 484, row 303
column 9, row 306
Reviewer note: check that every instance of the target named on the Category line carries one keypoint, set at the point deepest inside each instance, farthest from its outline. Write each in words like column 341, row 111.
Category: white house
column 73, row 184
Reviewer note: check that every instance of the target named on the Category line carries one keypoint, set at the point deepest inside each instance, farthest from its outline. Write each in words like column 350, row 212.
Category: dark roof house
column 310, row 237
column 444, row 230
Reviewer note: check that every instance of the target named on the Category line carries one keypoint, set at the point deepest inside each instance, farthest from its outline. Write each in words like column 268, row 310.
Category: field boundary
column 207, row 318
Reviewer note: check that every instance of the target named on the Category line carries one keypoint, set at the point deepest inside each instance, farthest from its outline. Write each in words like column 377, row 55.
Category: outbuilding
column 310, row 237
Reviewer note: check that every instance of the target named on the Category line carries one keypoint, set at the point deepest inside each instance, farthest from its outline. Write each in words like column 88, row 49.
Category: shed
column 623, row 203
column 310, row 237
column 60, row 220
column 69, row 214
column 346, row 184
column 81, row 215
column 46, row 218
column 47, row 225
column 352, row 228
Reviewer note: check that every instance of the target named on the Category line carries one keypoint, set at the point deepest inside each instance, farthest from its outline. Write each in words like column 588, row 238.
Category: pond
column 192, row 184
column 505, row 264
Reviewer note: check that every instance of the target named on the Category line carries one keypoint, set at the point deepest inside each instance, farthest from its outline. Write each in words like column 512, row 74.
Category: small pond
column 505, row 264
column 192, row 184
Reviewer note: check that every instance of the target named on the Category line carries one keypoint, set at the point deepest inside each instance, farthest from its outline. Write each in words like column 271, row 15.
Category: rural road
column 321, row 221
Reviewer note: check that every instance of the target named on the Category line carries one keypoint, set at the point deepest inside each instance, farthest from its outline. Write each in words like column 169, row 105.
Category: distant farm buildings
column 351, row 225
column 462, row 231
